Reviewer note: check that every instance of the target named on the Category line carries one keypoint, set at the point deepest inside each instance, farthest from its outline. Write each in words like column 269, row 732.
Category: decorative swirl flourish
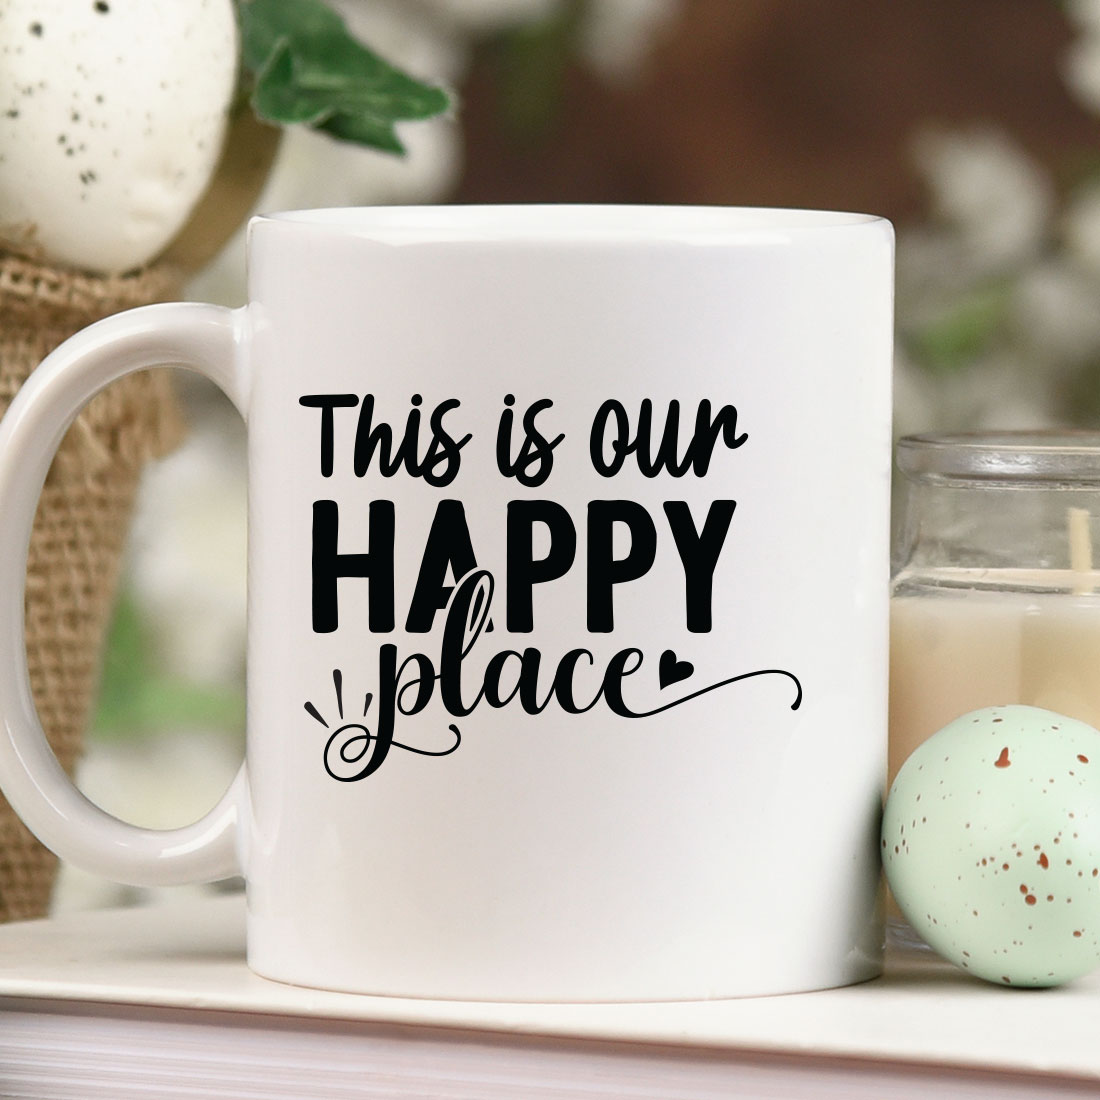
column 349, row 745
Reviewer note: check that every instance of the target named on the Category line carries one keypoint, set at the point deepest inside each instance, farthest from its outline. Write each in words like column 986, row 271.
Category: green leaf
column 308, row 70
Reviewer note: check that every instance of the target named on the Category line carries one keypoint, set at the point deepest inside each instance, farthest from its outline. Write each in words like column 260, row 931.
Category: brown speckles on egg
column 973, row 889
column 1003, row 760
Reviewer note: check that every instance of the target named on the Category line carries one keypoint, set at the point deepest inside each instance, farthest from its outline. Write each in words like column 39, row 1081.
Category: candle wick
column 1080, row 549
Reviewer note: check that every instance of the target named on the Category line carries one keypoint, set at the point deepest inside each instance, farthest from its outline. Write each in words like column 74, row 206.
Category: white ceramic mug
column 567, row 597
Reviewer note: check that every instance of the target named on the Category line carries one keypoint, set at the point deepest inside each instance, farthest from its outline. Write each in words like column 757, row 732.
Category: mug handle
column 211, row 340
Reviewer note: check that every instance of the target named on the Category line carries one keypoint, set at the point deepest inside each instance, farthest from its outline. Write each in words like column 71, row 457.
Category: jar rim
column 1064, row 455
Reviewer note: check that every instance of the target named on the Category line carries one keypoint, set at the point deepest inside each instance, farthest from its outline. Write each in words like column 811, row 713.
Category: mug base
column 867, row 970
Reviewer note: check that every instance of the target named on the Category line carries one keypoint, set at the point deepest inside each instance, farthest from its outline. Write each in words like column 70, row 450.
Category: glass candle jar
column 995, row 598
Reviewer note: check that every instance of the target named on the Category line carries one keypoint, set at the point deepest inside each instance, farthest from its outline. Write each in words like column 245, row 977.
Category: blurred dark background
column 753, row 102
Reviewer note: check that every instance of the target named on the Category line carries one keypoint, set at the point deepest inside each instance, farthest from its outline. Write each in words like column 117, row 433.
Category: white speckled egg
column 112, row 114
column 991, row 844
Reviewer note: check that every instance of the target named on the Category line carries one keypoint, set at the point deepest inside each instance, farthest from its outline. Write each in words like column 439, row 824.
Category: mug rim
column 618, row 222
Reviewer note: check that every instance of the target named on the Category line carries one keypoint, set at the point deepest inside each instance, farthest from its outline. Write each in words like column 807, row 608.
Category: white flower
column 312, row 169
column 617, row 34
column 408, row 34
column 1055, row 312
column 934, row 267
column 1085, row 13
column 992, row 394
column 915, row 404
column 1081, row 69
column 1081, row 229
column 1081, row 65
column 989, row 193
column 1003, row 392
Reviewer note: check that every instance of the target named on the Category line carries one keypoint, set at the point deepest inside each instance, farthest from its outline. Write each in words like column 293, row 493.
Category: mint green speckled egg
column 991, row 845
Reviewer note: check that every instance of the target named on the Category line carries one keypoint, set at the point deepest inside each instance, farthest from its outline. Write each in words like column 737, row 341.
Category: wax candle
column 958, row 650
column 995, row 599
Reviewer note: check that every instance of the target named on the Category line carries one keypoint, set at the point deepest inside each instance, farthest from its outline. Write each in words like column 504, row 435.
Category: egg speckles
column 112, row 114
column 991, row 844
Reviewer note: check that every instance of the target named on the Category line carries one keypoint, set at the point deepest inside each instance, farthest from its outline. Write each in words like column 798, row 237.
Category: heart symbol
column 672, row 671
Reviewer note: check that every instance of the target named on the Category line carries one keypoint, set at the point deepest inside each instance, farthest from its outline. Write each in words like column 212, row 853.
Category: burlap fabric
column 81, row 525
